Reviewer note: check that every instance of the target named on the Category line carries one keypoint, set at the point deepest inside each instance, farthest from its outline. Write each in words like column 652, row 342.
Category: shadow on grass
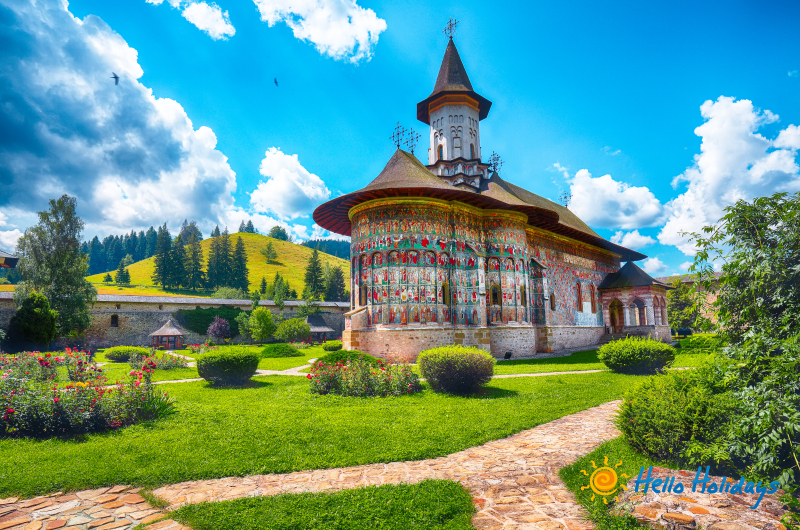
column 250, row 384
column 579, row 357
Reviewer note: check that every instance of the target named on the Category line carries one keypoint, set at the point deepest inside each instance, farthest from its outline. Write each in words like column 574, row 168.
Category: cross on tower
column 450, row 27
column 398, row 135
column 411, row 140
column 495, row 162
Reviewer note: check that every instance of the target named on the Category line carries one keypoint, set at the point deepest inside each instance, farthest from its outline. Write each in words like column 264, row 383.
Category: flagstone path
column 514, row 484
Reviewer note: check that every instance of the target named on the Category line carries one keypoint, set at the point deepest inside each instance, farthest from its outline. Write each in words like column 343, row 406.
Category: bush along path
column 514, row 483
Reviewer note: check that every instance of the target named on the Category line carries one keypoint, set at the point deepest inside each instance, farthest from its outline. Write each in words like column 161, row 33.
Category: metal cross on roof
column 495, row 162
column 450, row 27
column 412, row 139
column 398, row 135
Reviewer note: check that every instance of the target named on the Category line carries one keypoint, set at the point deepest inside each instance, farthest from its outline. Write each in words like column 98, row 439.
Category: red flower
column 55, row 400
column 308, row 376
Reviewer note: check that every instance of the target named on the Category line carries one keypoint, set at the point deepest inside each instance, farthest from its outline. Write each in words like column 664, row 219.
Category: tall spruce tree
column 177, row 270
column 225, row 259
column 97, row 258
column 193, row 264
column 216, row 232
column 263, row 288
column 250, row 229
column 141, row 247
column 212, row 270
column 314, row 278
column 239, row 273
column 242, row 228
column 269, row 253
column 163, row 257
column 122, row 276
column 335, row 290
column 151, row 239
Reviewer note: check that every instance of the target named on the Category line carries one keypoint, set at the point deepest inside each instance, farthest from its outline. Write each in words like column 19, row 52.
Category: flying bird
column 276, row 81
column 115, row 77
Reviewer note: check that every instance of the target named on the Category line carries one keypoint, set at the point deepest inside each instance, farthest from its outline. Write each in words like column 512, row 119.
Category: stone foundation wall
column 7, row 310
column 661, row 333
column 555, row 338
column 520, row 341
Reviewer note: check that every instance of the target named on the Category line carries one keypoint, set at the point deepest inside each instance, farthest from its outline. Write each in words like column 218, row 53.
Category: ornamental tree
column 261, row 324
column 293, row 330
column 219, row 329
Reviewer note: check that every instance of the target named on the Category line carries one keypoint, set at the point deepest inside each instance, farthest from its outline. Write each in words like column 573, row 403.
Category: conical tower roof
column 630, row 275
column 452, row 79
column 168, row 330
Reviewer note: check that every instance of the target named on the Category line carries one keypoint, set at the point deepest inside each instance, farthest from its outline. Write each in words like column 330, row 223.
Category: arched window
column 579, row 298
column 362, row 298
column 471, row 151
column 114, row 321
column 594, row 302
column 552, row 301
column 446, row 293
column 440, row 152
column 496, row 295
column 523, row 295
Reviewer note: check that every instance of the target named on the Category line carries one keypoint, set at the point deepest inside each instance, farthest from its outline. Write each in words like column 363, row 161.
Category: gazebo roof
column 630, row 275
column 168, row 330
column 8, row 261
column 317, row 324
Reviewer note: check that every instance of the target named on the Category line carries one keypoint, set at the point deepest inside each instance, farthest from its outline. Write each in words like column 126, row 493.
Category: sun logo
column 603, row 481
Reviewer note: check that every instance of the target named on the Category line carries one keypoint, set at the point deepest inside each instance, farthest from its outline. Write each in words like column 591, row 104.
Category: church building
column 451, row 253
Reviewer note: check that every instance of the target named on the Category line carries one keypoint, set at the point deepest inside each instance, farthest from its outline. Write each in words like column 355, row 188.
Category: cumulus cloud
column 209, row 18
column 607, row 203
column 633, row 240
column 291, row 191
column 131, row 159
column 735, row 162
column 685, row 265
column 654, row 265
column 338, row 28
column 793, row 73
column 8, row 238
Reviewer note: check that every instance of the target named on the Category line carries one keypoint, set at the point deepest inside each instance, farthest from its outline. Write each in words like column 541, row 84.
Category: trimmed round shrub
column 332, row 345
column 280, row 350
column 668, row 412
column 636, row 355
column 343, row 356
column 456, row 369
column 123, row 353
column 228, row 367
column 293, row 330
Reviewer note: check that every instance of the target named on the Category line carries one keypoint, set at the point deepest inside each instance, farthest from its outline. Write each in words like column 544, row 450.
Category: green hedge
column 343, row 356
column 279, row 350
column 666, row 413
column 197, row 320
column 456, row 369
column 123, row 353
column 332, row 345
column 636, row 355
column 702, row 341
column 228, row 367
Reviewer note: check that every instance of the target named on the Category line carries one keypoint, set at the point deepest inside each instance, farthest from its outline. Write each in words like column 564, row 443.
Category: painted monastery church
column 450, row 252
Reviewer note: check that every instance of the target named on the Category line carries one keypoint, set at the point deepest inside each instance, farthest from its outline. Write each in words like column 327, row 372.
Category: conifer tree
column 242, row 227
column 250, row 229
column 141, row 247
column 161, row 273
column 239, row 274
column 279, row 291
column 216, row 232
column 193, row 264
column 177, row 272
column 122, row 276
column 107, row 278
column 263, row 288
column 335, row 290
column 224, row 259
column 315, row 283
column 151, row 242
column 97, row 258
column 212, row 273
column 269, row 253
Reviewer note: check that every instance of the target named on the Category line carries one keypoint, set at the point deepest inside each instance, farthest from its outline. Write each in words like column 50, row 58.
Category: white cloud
column 735, row 162
column 685, row 265
column 291, row 191
column 209, row 18
column 338, row 28
column 9, row 238
column 606, row 203
column 633, row 240
column 653, row 265
column 611, row 151
column 793, row 73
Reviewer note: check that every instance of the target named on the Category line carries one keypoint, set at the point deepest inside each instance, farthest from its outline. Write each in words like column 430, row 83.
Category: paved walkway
column 514, row 483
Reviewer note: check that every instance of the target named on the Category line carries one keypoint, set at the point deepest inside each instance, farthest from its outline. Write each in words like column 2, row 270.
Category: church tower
column 454, row 111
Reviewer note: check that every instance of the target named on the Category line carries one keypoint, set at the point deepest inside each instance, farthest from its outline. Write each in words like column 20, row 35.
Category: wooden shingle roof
column 168, row 330
column 630, row 275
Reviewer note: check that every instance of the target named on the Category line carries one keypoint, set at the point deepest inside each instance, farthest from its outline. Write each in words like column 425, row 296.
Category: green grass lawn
column 277, row 426
column 583, row 360
column 428, row 505
column 617, row 450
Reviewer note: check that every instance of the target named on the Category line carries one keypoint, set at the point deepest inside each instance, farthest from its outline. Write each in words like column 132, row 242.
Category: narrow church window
column 119, row 306
column 471, row 151
column 495, row 295
column 362, row 299
column 114, row 321
column 579, row 298
column 441, row 152
column 446, row 293
column 552, row 301
column 591, row 293
column 522, row 295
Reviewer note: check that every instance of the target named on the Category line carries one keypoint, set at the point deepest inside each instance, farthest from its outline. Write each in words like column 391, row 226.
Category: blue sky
column 606, row 101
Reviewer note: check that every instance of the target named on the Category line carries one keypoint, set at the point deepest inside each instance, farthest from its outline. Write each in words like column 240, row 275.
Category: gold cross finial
column 450, row 27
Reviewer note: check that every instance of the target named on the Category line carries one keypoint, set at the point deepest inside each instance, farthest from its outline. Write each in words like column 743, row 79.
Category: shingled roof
column 630, row 275
column 452, row 79
column 8, row 261
column 318, row 325
column 168, row 330
column 405, row 176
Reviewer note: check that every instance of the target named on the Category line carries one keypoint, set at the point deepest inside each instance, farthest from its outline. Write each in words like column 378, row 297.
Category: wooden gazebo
column 319, row 329
column 169, row 336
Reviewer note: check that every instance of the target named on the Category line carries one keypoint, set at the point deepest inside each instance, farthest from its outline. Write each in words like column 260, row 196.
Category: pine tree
column 224, row 259
column 151, row 243
column 239, row 273
column 263, row 288
column 212, row 270
column 335, row 291
column 269, row 253
column 279, row 291
column 242, row 228
column 193, row 264
column 161, row 273
column 216, row 232
column 97, row 258
column 278, row 232
column 130, row 243
column 122, row 276
column 315, row 284
column 141, row 247
column 177, row 270
column 250, row 228
column 107, row 278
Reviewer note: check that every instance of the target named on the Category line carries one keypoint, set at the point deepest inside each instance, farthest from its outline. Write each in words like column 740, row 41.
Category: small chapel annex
column 450, row 252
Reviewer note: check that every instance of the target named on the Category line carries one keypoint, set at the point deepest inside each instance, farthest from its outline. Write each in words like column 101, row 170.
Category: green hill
column 291, row 263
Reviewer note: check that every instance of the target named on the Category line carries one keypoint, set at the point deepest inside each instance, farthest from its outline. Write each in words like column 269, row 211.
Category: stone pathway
column 514, row 483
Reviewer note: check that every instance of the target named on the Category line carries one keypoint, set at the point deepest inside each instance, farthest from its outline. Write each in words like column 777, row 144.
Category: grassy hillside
column 291, row 263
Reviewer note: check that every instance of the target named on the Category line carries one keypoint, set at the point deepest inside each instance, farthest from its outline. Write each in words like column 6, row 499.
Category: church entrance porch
column 615, row 314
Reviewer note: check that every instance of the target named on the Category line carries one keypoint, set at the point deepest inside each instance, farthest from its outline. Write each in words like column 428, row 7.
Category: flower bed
column 363, row 379
column 164, row 361
column 33, row 405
